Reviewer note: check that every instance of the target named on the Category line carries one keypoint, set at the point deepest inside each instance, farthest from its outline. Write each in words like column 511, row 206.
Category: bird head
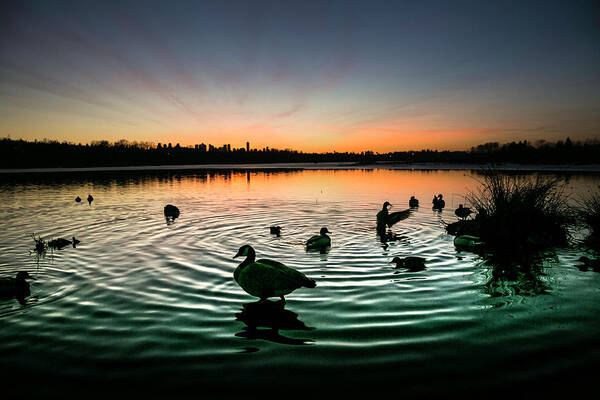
column 244, row 251
column 386, row 204
column 324, row 231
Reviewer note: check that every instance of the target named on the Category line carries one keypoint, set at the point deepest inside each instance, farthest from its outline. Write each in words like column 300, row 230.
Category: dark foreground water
column 145, row 305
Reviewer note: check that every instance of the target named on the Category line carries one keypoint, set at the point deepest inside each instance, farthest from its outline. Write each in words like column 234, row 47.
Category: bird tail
column 309, row 283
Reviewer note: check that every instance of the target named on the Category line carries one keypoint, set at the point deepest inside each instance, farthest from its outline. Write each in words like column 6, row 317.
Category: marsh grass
column 521, row 219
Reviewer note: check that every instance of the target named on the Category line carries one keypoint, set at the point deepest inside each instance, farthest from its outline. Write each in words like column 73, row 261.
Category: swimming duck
column 385, row 218
column 15, row 287
column 267, row 278
column 589, row 263
column 413, row 202
column 412, row 263
column 438, row 202
column 171, row 211
column 275, row 230
column 90, row 199
column 467, row 242
column 58, row 243
column 319, row 241
column 462, row 212
column 78, row 199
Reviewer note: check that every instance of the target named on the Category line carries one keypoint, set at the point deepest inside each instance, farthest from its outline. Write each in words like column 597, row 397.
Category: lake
column 146, row 304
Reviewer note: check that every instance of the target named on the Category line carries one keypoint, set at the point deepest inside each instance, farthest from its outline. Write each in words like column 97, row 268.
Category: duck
column 275, row 230
column 410, row 262
column 58, row 243
column 384, row 217
column 267, row 278
column 462, row 212
column 438, row 202
column 78, row 199
column 589, row 263
column 15, row 287
column 413, row 202
column 319, row 241
column 90, row 199
column 171, row 211
column 467, row 242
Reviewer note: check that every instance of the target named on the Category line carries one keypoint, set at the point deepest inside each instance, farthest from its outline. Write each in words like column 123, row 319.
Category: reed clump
column 520, row 218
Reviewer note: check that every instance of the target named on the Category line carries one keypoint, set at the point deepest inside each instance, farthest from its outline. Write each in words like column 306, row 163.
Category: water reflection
column 273, row 316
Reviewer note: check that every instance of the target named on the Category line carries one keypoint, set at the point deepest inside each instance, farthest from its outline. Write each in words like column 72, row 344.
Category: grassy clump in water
column 521, row 220
column 589, row 213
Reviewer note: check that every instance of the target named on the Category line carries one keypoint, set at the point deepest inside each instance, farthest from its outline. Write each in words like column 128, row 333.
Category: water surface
column 142, row 300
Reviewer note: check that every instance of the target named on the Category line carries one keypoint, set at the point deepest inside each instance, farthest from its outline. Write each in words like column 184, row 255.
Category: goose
column 171, row 211
column 319, row 241
column 413, row 202
column 275, row 230
column 78, row 199
column 467, row 242
column 412, row 263
column 15, row 287
column 90, row 199
column 267, row 278
column 462, row 212
column 58, row 243
column 384, row 217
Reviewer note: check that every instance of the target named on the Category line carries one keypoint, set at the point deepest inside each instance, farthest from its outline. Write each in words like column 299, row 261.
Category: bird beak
column 237, row 255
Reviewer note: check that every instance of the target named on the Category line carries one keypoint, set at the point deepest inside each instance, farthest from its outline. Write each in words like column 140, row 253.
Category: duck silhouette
column 267, row 278
column 59, row 243
column 412, row 263
column 15, row 287
column 320, row 241
column 90, row 198
column 413, row 202
column 462, row 212
column 275, row 230
column 171, row 211
column 438, row 202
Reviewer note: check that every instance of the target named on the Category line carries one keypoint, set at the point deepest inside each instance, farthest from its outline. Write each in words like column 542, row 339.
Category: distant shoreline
column 312, row 166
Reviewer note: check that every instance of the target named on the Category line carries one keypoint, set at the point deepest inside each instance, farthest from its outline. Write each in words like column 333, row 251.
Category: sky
column 307, row 75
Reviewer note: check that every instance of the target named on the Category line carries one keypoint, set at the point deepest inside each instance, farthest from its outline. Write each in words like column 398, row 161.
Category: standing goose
column 267, row 278
column 319, row 241
column 384, row 217
column 15, row 287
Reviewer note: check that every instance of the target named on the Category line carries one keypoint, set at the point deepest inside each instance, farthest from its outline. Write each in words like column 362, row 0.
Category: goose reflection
column 265, row 319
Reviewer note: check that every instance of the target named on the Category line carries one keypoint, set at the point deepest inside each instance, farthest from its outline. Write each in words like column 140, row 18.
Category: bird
column 90, row 199
column 319, row 241
column 467, row 242
column 438, row 202
column 171, row 211
column 58, row 243
column 15, row 287
column 413, row 202
column 75, row 241
column 384, row 217
column 462, row 212
column 589, row 263
column 78, row 199
column 275, row 230
column 412, row 263
column 267, row 278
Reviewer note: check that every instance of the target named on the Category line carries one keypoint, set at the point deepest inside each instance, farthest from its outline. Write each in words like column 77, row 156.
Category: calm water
column 140, row 300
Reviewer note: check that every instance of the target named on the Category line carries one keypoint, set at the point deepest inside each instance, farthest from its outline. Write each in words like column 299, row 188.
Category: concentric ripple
column 140, row 298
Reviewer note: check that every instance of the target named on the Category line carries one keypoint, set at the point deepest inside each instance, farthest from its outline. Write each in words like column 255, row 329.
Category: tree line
column 51, row 153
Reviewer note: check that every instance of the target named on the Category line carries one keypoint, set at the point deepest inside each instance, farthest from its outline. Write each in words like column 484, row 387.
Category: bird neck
column 249, row 258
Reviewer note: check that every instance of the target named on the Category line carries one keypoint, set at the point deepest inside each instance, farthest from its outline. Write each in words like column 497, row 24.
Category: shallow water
column 140, row 300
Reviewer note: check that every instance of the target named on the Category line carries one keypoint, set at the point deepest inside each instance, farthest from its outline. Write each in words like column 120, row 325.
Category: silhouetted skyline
column 310, row 75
